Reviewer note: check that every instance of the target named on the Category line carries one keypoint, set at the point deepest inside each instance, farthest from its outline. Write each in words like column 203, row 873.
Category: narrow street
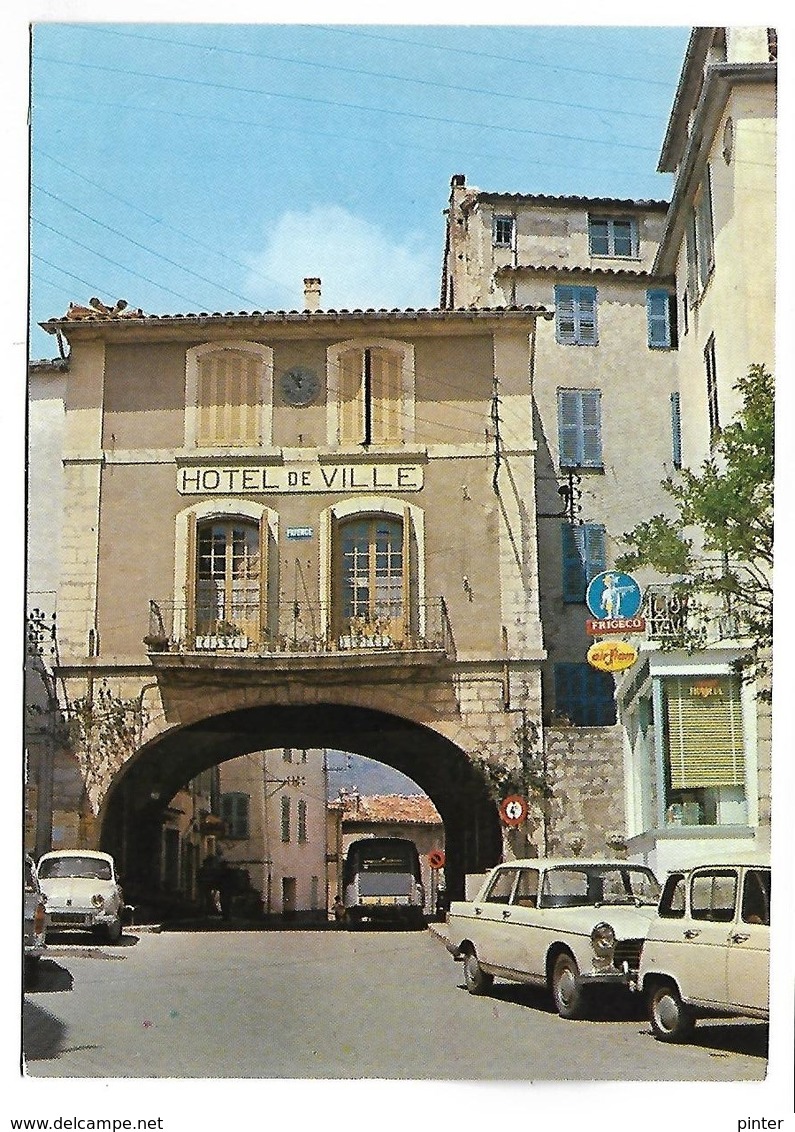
column 333, row 1004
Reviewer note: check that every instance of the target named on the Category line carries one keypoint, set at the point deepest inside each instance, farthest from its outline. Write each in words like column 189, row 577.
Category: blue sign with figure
column 613, row 594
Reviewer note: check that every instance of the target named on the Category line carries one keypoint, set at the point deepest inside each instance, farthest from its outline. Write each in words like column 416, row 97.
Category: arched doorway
column 131, row 816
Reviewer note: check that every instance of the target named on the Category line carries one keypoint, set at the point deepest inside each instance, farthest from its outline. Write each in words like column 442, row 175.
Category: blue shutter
column 584, row 695
column 676, row 430
column 573, row 573
column 580, row 428
column 585, row 299
column 565, row 320
column 583, row 556
column 591, row 413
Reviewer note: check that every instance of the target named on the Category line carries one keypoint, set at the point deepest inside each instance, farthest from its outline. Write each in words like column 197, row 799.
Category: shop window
column 704, row 751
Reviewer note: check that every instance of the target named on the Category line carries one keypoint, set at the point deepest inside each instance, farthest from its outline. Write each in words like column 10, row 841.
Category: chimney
column 311, row 294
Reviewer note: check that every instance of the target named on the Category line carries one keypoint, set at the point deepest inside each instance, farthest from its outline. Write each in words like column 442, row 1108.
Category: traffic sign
column 436, row 858
column 613, row 594
column 513, row 809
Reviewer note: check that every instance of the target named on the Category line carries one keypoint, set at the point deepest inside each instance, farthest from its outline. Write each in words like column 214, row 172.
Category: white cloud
column 358, row 263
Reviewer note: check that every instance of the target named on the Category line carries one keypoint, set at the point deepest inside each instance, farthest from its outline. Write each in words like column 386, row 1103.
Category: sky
column 189, row 167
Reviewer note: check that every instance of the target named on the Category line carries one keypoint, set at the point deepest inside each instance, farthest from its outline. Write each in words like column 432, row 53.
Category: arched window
column 228, row 586
column 372, row 580
column 371, row 393
column 228, row 400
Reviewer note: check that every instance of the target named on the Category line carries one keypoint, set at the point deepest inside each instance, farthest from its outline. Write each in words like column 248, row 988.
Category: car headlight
column 603, row 940
column 98, row 900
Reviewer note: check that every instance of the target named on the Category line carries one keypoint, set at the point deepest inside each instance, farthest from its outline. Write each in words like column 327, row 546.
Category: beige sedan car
column 707, row 951
column 568, row 924
column 82, row 891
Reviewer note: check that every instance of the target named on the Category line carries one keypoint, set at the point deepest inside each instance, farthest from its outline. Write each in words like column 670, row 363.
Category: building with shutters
column 658, row 310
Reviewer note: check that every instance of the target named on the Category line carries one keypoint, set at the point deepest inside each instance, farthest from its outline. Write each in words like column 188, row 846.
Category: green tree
column 718, row 549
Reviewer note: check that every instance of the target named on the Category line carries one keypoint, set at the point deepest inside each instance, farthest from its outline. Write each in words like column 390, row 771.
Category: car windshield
column 87, row 868
column 594, row 885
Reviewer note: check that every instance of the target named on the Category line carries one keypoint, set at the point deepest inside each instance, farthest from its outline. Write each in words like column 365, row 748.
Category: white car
column 565, row 923
column 82, row 892
column 707, row 950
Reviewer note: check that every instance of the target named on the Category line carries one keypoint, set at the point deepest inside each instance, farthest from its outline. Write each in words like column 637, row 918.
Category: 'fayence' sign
column 292, row 478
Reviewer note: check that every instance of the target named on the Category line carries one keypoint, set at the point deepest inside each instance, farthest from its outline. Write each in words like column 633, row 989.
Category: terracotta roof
column 406, row 809
column 75, row 315
column 561, row 201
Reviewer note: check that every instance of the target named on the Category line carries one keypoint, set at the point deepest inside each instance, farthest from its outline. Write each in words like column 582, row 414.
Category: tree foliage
column 718, row 548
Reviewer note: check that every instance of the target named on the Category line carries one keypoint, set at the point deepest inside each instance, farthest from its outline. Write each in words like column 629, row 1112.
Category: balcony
column 298, row 631
column 674, row 621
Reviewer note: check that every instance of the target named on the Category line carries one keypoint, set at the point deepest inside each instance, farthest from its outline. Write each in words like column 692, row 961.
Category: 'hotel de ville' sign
column 209, row 478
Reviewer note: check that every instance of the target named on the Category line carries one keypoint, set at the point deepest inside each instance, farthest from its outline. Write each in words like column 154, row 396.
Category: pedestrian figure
column 339, row 911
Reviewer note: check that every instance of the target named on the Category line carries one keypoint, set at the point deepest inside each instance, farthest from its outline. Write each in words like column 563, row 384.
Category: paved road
column 335, row 1005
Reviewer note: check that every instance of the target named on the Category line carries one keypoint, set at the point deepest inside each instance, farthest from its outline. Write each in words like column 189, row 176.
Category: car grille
column 68, row 918
column 627, row 951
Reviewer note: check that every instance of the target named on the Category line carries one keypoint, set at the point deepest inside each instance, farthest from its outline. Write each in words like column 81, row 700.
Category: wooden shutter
column 676, row 430
column 573, row 575
column 351, row 397
column 658, row 312
column 386, row 394
column 705, row 733
column 190, row 579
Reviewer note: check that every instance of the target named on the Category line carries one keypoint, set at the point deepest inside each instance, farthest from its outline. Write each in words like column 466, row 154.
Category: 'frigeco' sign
column 222, row 480
column 612, row 656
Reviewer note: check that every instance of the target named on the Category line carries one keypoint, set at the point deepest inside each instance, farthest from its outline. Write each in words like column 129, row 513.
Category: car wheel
column 566, row 992
column 477, row 980
column 671, row 1020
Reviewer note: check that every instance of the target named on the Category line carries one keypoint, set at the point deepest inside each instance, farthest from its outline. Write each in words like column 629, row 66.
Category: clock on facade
column 300, row 385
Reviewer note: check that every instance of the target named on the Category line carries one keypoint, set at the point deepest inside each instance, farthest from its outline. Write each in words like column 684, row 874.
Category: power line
column 143, row 247
column 337, row 67
column 503, row 127
column 157, row 219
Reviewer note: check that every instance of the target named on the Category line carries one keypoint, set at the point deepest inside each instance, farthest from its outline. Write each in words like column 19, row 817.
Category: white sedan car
column 82, row 892
column 707, row 950
column 568, row 924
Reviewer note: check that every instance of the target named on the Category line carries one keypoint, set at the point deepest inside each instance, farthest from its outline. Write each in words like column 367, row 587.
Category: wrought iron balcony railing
column 296, row 627
column 671, row 617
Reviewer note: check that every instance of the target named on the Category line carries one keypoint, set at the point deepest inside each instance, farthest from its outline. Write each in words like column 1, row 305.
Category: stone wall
column 586, row 813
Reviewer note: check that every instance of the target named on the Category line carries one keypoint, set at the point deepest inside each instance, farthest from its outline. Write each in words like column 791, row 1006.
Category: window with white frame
column 613, row 236
column 580, row 428
column 575, row 316
column 502, row 231
column 661, row 319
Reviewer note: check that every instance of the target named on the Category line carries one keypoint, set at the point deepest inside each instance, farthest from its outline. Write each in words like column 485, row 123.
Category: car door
column 522, row 934
column 748, row 953
column 489, row 931
column 703, row 966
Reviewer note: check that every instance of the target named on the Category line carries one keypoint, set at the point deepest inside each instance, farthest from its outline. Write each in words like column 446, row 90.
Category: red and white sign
column 513, row 809
column 596, row 627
